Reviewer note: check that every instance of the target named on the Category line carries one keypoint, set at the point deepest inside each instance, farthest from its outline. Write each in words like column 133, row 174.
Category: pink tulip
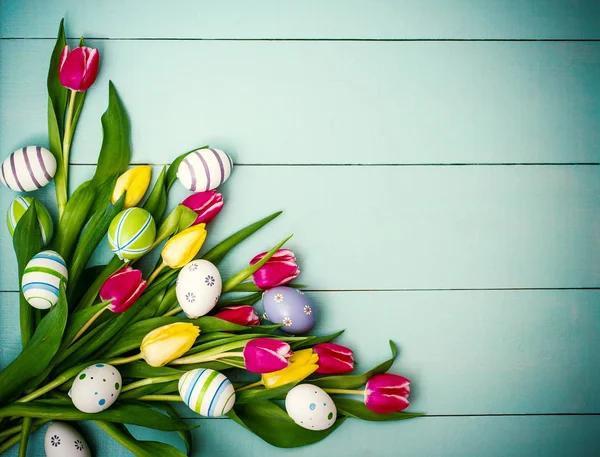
column 280, row 269
column 334, row 359
column 264, row 355
column 387, row 393
column 124, row 288
column 206, row 204
column 241, row 315
column 78, row 68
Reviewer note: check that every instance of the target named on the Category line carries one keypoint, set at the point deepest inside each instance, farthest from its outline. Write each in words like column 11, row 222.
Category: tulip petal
column 206, row 204
column 273, row 274
column 282, row 254
column 387, row 393
column 117, row 307
column 241, row 315
column 264, row 355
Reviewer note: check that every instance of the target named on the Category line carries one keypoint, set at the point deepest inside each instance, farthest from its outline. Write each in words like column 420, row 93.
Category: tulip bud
column 168, row 343
column 135, row 182
column 206, row 205
column 280, row 269
column 241, row 315
column 183, row 247
column 78, row 68
column 123, row 288
column 264, row 355
column 387, row 393
column 302, row 364
column 334, row 359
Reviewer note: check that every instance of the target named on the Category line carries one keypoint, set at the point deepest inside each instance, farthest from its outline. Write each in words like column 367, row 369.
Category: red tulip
column 124, row 288
column 334, row 359
column 241, row 315
column 279, row 269
column 78, row 68
column 387, row 393
column 206, row 204
column 264, row 355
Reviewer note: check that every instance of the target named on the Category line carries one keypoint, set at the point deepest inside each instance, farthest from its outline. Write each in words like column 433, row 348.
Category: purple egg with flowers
column 290, row 307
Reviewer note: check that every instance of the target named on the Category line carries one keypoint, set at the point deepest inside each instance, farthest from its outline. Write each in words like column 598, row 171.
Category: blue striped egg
column 204, row 169
column 131, row 233
column 42, row 277
column 28, row 169
column 207, row 392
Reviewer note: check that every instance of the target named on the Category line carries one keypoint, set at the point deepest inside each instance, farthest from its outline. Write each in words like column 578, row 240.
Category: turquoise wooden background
column 437, row 161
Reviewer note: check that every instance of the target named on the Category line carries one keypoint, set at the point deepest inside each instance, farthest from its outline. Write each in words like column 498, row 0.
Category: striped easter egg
column 17, row 208
column 131, row 233
column 42, row 277
column 207, row 392
column 204, row 169
column 28, row 169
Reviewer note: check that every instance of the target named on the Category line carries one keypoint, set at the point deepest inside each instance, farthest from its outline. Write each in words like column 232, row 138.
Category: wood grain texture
column 309, row 19
column 328, row 102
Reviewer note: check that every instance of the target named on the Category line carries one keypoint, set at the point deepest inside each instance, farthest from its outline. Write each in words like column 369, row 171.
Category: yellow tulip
column 168, row 343
column 135, row 182
column 302, row 364
column 183, row 247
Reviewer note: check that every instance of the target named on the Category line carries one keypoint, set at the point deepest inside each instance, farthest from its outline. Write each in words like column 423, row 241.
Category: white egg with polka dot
column 310, row 407
column 96, row 388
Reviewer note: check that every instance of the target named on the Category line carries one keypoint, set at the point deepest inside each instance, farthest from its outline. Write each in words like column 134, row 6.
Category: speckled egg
column 204, row 169
column 290, row 307
column 42, row 277
column 207, row 392
column 310, row 407
column 96, row 388
column 62, row 440
column 131, row 233
column 17, row 208
column 28, row 169
column 198, row 288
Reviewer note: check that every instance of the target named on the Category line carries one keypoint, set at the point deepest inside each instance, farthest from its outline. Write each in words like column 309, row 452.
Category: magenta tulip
column 123, row 288
column 78, row 68
column 387, row 393
column 279, row 269
column 241, row 315
column 334, row 359
column 206, row 205
column 264, row 355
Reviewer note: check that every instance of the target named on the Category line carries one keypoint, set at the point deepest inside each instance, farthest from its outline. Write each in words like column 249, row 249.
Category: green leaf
column 216, row 254
column 56, row 91
column 88, row 299
column 245, row 300
column 157, row 201
column 251, row 287
column 140, row 369
column 172, row 171
column 316, row 340
column 77, row 320
column 27, row 241
column 271, row 423
column 355, row 381
column 261, row 394
column 179, row 219
column 139, row 448
column 37, row 354
column 127, row 413
column 186, row 435
column 358, row 410
column 168, row 301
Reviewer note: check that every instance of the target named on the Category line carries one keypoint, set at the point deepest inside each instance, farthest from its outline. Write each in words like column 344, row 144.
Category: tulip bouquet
column 123, row 344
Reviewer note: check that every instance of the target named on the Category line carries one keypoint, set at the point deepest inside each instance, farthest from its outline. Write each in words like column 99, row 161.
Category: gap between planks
column 425, row 416
column 333, row 165
column 374, row 40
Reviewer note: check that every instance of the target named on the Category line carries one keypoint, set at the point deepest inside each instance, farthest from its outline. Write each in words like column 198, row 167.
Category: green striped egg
column 131, row 233
column 207, row 392
column 18, row 207
column 42, row 277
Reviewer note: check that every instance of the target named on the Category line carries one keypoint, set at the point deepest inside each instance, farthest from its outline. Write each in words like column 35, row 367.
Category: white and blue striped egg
column 207, row 392
column 204, row 169
column 42, row 277
column 28, row 169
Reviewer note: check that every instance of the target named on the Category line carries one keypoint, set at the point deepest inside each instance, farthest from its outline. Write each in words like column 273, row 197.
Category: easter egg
column 310, row 407
column 207, row 392
column 290, row 307
column 42, row 277
column 204, row 169
column 62, row 440
column 198, row 288
column 28, row 169
column 131, row 233
column 17, row 208
column 96, row 388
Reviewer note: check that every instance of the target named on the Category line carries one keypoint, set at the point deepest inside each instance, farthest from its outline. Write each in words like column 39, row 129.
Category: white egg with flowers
column 198, row 288
column 62, row 440
column 96, row 388
column 310, row 407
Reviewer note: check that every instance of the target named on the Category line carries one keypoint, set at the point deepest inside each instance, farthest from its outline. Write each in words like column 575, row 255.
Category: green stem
column 149, row 381
column 160, row 398
column 124, row 360
column 66, row 150
column 345, row 391
column 15, row 439
column 25, row 431
column 174, row 311
column 211, row 354
column 64, row 377
column 153, row 276
column 91, row 321
column 250, row 386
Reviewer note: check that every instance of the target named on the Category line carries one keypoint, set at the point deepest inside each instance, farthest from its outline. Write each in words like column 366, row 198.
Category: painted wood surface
column 390, row 133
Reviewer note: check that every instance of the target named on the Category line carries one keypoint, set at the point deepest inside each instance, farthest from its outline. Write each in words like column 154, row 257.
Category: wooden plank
column 466, row 352
column 355, row 19
column 328, row 102
column 551, row 436
column 407, row 227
